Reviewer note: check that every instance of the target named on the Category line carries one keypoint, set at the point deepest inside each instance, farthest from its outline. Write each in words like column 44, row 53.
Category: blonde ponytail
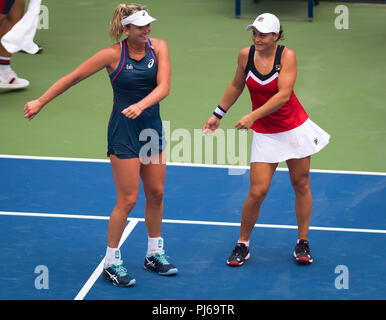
column 122, row 11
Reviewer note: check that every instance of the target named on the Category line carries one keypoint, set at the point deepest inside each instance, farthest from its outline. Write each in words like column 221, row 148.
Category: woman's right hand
column 211, row 125
column 32, row 108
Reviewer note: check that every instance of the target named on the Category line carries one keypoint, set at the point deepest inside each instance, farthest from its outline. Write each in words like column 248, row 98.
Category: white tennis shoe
column 9, row 80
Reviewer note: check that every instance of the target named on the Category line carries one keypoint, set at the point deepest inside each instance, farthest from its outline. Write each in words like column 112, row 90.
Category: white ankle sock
column 154, row 245
column 245, row 242
column 5, row 67
column 113, row 255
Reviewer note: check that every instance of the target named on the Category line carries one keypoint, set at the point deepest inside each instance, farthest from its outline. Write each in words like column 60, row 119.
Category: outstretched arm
column 100, row 60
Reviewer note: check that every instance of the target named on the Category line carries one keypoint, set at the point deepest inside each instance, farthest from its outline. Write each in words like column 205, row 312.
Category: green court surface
column 341, row 77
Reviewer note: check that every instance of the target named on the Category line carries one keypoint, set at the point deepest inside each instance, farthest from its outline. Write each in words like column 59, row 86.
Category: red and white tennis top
column 262, row 88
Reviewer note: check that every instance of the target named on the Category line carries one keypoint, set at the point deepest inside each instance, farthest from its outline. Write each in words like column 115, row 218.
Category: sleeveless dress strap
column 152, row 51
column 277, row 64
column 250, row 62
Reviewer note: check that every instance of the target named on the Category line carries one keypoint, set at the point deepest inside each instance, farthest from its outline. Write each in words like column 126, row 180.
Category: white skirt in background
column 297, row 143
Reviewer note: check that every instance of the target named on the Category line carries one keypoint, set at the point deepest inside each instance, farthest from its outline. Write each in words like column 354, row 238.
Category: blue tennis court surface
column 55, row 214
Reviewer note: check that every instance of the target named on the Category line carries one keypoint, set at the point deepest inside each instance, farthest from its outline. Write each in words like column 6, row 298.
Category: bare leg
column 9, row 20
column 299, row 170
column 153, row 178
column 260, row 180
column 126, row 177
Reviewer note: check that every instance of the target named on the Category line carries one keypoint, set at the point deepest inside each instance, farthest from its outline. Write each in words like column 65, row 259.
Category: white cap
column 140, row 18
column 266, row 23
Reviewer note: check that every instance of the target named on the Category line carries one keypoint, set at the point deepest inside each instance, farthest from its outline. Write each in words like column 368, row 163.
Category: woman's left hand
column 245, row 122
column 132, row 111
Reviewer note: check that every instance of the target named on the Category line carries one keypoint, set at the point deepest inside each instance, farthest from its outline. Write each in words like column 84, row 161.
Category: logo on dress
column 150, row 64
column 278, row 67
column 316, row 141
column 129, row 67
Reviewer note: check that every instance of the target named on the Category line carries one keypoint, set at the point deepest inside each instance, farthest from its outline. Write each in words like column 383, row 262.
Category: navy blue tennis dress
column 132, row 81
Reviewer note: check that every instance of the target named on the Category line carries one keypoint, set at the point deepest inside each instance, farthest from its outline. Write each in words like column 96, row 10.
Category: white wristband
column 219, row 112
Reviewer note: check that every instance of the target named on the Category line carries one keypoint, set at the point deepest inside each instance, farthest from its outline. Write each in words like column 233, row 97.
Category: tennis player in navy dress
column 139, row 71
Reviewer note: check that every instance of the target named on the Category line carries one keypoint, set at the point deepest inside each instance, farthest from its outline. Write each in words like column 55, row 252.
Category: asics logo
column 150, row 262
column 151, row 63
column 112, row 276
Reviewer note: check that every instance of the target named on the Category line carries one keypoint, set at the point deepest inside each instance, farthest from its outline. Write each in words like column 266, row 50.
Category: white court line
column 7, row 156
column 274, row 226
column 133, row 222
column 197, row 222
column 97, row 272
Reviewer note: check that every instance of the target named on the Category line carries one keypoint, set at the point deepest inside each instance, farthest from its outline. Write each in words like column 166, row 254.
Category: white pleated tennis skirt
column 297, row 143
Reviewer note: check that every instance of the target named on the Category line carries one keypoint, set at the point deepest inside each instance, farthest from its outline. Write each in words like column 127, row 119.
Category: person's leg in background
column 11, row 11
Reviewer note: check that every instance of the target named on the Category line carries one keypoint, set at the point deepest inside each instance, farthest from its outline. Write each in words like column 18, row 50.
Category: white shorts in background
column 297, row 143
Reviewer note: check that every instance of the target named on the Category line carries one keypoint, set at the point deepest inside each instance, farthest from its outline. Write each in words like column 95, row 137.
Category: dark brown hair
column 281, row 34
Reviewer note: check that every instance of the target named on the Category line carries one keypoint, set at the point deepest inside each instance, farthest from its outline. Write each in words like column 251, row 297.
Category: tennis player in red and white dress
column 282, row 130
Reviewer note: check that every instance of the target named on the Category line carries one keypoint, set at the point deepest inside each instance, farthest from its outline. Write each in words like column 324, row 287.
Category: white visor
column 139, row 19
column 266, row 23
